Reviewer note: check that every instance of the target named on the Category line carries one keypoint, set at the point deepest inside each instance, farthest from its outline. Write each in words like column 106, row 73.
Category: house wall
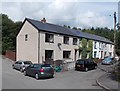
column 27, row 50
column 58, row 54
column 102, row 49
column 119, row 12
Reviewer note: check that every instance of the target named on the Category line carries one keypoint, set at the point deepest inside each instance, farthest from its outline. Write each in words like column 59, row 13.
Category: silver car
column 21, row 65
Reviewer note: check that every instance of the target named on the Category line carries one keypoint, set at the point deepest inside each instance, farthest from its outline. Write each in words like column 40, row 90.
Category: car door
column 31, row 70
column 19, row 65
column 15, row 65
column 28, row 69
column 92, row 65
column 88, row 64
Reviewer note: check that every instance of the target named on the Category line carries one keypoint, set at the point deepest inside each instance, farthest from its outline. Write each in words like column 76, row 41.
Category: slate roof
column 47, row 27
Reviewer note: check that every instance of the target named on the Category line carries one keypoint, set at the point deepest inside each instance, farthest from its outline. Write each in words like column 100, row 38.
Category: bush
column 97, row 60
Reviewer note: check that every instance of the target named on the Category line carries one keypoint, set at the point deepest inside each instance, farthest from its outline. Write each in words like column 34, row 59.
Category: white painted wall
column 100, row 47
column 119, row 12
column 27, row 50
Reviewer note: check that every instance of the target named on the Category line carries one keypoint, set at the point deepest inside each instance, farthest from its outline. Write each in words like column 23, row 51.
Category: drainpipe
column 38, row 47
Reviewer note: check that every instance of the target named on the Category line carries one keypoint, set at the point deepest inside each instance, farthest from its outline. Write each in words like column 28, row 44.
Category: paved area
column 106, row 80
column 108, row 83
column 13, row 79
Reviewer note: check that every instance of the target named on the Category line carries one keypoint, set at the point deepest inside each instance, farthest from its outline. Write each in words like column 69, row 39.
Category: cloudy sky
column 71, row 12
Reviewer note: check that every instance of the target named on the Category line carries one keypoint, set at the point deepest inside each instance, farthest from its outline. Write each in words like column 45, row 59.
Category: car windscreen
column 80, row 62
column 27, row 62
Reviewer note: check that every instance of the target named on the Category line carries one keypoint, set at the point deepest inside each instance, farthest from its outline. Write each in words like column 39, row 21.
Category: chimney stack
column 43, row 20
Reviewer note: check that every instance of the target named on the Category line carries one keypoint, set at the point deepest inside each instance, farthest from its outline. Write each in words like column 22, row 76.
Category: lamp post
column 114, row 34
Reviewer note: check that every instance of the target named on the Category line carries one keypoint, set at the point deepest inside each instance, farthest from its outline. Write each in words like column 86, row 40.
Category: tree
column 74, row 28
column 10, row 30
column 84, row 48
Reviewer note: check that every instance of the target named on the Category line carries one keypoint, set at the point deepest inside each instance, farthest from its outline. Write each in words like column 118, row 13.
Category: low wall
column 10, row 54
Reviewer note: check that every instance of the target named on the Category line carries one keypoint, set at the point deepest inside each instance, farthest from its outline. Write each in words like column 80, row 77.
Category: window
column 105, row 45
column 110, row 46
column 95, row 45
column 110, row 53
column 26, row 37
column 74, row 41
column 66, row 54
column 49, row 38
column 95, row 53
column 48, row 54
column 66, row 40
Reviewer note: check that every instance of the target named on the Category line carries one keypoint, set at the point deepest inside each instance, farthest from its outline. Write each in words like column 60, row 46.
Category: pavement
column 106, row 81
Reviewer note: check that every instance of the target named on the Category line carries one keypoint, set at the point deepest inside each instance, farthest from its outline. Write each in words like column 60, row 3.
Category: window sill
column 66, row 58
column 49, row 42
column 65, row 44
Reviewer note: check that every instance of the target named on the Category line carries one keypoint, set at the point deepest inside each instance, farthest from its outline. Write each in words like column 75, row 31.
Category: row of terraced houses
column 39, row 41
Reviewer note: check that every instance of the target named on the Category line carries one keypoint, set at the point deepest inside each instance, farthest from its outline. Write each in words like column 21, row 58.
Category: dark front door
column 75, row 55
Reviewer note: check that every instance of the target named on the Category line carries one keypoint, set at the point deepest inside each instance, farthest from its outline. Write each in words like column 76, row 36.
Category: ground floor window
column 110, row 54
column 66, row 54
column 95, row 54
column 105, row 54
column 48, row 54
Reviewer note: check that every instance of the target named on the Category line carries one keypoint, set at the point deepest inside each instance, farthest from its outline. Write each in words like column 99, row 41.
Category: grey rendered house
column 39, row 41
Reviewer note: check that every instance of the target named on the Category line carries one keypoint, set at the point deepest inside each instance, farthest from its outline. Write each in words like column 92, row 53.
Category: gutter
column 38, row 47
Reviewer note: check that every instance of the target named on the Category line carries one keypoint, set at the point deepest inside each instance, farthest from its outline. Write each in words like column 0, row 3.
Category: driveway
column 13, row 79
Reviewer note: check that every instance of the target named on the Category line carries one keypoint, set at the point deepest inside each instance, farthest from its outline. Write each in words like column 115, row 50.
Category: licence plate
column 78, row 65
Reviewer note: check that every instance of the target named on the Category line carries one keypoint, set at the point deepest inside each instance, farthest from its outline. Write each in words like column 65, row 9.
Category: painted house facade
column 39, row 41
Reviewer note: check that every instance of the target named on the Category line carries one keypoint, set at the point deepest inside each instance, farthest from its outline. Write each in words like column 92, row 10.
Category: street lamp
column 114, row 34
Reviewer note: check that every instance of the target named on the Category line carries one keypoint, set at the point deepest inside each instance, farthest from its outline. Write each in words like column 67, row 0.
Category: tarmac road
column 13, row 79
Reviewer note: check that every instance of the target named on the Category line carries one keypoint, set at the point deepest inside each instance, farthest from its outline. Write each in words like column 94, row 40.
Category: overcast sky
column 73, row 13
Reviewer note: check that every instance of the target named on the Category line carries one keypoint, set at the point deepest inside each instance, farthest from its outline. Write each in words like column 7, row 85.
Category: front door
column 75, row 55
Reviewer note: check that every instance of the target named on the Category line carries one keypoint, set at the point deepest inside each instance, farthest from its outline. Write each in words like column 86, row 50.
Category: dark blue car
column 107, row 61
column 39, row 71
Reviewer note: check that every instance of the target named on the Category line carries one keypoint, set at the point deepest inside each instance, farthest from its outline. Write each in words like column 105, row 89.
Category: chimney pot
column 43, row 20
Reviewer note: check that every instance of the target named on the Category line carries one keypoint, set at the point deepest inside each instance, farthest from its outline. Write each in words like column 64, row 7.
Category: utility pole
column 114, row 34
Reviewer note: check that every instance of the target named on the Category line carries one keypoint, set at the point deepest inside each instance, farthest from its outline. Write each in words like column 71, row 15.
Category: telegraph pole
column 114, row 34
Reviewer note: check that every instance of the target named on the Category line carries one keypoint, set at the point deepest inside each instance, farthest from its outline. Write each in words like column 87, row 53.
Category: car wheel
column 25, row 74
column 86, row 69
column 21, row 70
column 95, row 67
column 36, row 76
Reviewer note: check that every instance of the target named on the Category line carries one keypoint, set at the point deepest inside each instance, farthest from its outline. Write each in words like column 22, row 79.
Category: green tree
column 10, row 30
column 84, row 48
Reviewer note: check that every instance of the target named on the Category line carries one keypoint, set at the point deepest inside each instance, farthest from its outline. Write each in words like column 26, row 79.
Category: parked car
column 39, row 71
column 107, row 61
column 85, row 64
column 21, row 65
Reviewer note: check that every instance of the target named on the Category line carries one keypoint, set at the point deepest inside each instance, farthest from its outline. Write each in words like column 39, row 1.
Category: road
column 13, row 79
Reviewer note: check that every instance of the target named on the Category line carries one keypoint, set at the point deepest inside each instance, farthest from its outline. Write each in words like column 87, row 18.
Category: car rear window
column 80, row 62
column 28, row 62
column 46, row 65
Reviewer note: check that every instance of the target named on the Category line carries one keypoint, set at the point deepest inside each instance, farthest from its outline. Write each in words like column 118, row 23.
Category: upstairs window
column 26, row 37
column 66, row 54
column 49, row 38
column 95, row 45
column 66, row 40
column 110, row 46
column 74, row 41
